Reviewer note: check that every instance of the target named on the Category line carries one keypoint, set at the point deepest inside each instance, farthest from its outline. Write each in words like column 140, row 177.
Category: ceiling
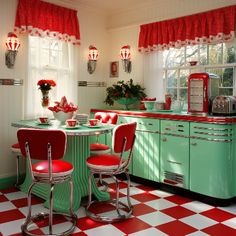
column 111, row 6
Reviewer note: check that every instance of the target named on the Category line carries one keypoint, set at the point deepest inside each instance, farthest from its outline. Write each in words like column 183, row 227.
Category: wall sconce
column 12, row 44
column 92, row 59
column 125, row 57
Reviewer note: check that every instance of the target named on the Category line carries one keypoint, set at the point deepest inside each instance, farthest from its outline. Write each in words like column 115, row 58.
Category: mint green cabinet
column 212, row 170
column 174, row 153
column 145, row 160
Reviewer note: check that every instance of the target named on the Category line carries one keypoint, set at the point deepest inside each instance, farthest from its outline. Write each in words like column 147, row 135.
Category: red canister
column 167, row 101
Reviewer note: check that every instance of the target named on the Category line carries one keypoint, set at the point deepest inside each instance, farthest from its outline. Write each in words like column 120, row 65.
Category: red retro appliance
column 202, row 89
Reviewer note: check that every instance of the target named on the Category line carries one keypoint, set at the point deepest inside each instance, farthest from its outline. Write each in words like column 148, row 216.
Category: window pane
column 184, row 78
column 173, row 93
column 191, row 53
column 228, row 77
column 215, row 54
column 226, row 91
column 229, row 54
column 203, row 54
column 172, row 78
column 173, row 57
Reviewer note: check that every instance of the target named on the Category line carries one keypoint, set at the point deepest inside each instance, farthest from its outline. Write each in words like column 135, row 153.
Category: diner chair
column 112, row 165
column 15, row 148
column 105, row 118
column 48, row 147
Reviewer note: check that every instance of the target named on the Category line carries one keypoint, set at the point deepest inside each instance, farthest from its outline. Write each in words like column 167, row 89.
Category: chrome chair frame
column 42, row 215
column 127, row 208
column 18, row 155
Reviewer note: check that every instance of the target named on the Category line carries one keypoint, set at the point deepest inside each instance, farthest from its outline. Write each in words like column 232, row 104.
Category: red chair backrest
column 107, row 117
column 38, row 140
column 120, row 133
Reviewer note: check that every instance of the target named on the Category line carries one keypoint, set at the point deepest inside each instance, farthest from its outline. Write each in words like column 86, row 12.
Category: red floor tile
column 220, row 230
column 218, row 214
column 85, row 223
column 178, row 212
column 3, row 198
column 131, row 225
column 176, row 228
column 121, row 185
column 23, row 202
column 146, row 188
column 145, row 197
column 178, row 199
column 142, row 209
column 11, row 215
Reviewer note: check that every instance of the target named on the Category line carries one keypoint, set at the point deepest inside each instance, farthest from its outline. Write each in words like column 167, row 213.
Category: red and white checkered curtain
column 210, row 27
column 39, row 18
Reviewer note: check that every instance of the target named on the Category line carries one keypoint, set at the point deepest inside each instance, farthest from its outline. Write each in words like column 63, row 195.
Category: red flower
column 46, row 84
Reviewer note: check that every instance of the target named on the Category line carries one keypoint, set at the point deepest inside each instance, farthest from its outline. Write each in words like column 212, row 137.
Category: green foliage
column 124, row 90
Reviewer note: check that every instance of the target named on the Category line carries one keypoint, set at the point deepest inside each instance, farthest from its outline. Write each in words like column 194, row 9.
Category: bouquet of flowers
column 45, row 85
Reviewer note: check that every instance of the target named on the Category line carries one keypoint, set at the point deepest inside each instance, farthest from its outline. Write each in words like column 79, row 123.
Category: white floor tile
column 197, row 233
column 230, row 208
column 149, row 232
column 156, row 218
column 198, row 221
column 160, row 204
column 6, row 206
column 231, row 223
column 12, row 227
column 104, row 230
column 160, row 193
column 197, row 206
column 16, row 195
column 133, row 191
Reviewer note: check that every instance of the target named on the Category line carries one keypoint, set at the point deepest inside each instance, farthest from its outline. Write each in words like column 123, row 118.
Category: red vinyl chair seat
column 16, row 148
column 99, row 147
column 105, row 162
column 59, row 168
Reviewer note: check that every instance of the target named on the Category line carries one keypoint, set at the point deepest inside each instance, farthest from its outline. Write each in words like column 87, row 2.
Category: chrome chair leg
column 50, row 218
column 17, row 171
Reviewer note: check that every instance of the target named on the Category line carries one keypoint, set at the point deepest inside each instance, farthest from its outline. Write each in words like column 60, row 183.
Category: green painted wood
column 7, row 182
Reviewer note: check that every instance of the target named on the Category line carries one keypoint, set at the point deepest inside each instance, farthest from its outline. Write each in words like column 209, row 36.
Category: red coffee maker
column 202, row 89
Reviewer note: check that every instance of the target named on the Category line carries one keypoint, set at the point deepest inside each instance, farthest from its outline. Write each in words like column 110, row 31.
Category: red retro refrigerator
column 202, row 88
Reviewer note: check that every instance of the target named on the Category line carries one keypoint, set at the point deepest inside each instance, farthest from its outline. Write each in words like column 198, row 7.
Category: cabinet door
column 174, row 161
column 212, row 170
column 145, row 159
column 174, row 154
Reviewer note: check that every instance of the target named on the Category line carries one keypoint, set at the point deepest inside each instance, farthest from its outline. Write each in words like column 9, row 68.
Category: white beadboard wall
column 11, row 110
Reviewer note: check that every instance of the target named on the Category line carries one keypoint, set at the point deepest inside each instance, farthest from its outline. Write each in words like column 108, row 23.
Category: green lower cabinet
column 145, row 159
column 212, row 170
column 174, row 153
column 146, row 155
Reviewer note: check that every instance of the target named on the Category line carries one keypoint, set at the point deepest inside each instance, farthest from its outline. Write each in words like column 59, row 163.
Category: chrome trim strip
column 11, row 82
column 91, row 84
column 175, row 162
column 176, row 135
column 213, row 139
column 213, row 134
column 145, row 123
column 148, row 131
column 215, row 129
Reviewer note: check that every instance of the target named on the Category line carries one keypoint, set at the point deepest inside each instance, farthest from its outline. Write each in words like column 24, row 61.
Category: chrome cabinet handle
column 164, row 139
column 194, row 144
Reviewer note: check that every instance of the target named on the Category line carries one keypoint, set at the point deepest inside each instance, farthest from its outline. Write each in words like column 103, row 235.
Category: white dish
column 92, row 126
column 68, row 127
column 39, row 123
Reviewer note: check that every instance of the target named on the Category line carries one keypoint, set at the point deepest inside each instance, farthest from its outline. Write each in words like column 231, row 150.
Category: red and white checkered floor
column 155, row 213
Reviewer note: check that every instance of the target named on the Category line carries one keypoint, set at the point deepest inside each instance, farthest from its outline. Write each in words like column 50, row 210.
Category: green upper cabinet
column 145, row 161
column 211, row 160
column 174, row 153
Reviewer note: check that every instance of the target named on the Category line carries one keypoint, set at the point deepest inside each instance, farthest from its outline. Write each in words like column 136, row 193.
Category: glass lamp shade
column 125, row 52
column 93, row 53
column 12, row 42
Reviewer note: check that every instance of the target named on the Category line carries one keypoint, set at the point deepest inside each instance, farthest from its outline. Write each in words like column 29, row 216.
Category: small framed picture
column 114, row 69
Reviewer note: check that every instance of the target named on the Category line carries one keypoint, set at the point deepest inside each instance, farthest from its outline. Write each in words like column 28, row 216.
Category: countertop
column 172, row 115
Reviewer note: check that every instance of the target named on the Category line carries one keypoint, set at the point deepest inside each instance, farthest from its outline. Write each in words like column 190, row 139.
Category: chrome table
column 77, row 151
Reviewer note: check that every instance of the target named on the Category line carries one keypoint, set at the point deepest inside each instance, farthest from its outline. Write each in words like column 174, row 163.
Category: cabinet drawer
column 142, row 123
column 175, row 127
column 211, row 132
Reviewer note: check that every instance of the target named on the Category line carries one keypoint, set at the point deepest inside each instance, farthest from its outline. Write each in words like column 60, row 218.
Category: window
column 219, row 59
column 49, row 59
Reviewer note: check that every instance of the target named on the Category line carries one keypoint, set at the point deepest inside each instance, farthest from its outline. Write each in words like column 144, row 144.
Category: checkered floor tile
column 156, row 212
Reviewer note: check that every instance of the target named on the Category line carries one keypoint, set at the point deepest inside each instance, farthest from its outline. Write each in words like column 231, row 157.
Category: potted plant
column 124, row 93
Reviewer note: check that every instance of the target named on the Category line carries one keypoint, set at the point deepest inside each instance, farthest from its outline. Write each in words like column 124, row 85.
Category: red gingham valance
column 40, row 18
column 214, row 26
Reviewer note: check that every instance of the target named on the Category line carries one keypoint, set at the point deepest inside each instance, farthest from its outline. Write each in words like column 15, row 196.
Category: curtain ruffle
column 204, row 28
column 39, row 18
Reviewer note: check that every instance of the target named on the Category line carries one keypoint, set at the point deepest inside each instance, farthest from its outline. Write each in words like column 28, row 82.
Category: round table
column 78, row 143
